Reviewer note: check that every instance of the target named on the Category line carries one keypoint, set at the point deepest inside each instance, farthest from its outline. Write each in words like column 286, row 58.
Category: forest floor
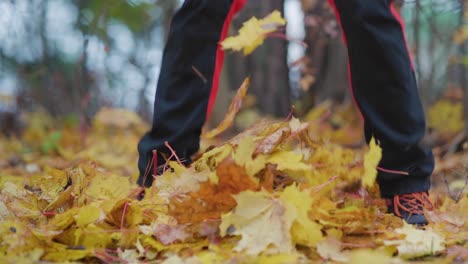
column 277, row 192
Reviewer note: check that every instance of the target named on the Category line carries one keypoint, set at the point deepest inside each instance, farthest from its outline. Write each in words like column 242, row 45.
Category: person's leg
column 385, row 90
column 188, row 81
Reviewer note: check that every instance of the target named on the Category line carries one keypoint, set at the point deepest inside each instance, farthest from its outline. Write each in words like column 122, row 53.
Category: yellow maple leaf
column 211, row 159
column 371, row 161
column 89, row 214
column 50, row 184
column 304, row 231
column 262, row 220
column 243, row 155
column 446, row 116
column 330, row 249
column 92, row 237
column 288, row 160
column 371, row 256
column 297, row 126
column 244, row 151
column 208, row 257
column 274, row 138
column 16, row 238
column 253, row 33
column 180, row 180
column 63, row 220
column 32, row 256
column 278, row 258
column 417, row 242
column 109, row 187
column 4, row 212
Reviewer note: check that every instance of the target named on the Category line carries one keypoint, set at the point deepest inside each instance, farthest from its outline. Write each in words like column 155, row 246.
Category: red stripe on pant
column 235, row 7
column 338, row 18
column 402, row 24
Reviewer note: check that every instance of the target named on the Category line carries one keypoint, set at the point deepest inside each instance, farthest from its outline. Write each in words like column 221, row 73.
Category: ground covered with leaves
column 279, row 192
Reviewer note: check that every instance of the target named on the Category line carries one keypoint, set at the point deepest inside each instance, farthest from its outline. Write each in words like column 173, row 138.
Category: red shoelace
column 412, row 203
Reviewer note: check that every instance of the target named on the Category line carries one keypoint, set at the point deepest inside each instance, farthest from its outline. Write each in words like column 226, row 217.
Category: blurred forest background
column 72, row 58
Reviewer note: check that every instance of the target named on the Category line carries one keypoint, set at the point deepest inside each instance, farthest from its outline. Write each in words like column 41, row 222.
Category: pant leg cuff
column 391, row 184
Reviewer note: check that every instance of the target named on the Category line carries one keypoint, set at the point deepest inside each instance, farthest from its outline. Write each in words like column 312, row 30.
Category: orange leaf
column 234, row 108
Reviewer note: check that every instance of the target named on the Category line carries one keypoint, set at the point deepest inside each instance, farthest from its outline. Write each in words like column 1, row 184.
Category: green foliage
column 51, row 143
column 101, row 13
column 465, row 61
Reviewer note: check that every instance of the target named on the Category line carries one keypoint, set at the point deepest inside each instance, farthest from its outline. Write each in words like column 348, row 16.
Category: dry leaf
column 371, row 161
column 234, row 108
column 262, row 221
column 253, row 33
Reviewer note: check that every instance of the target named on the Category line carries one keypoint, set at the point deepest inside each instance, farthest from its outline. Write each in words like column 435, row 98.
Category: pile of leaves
column 272, row 194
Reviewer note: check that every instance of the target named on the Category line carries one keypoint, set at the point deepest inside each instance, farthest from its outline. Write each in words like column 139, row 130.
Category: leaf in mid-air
column 234, row 108
column 253, row 33
column 371, row 161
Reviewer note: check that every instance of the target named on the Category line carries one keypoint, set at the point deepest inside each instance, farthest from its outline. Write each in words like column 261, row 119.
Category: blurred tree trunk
column 326, row 56
column 267, row 66
column 49, row 81
column 168, row 9
column 144, row 108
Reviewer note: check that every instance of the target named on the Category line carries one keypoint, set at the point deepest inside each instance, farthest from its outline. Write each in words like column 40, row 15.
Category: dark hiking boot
column 410, row 207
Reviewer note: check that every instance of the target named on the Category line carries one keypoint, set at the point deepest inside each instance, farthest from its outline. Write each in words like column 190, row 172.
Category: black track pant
column 381, row 75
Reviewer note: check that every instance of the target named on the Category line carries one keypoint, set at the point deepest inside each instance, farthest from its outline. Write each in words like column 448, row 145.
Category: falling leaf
column 371, row 161
column 253, row 33
column 233, row 109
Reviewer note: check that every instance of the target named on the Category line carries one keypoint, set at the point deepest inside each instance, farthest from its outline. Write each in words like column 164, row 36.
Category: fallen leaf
column 169, row 234
column 262, row 221
column 417, row 243
column 330, row 249
column 304, row 231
